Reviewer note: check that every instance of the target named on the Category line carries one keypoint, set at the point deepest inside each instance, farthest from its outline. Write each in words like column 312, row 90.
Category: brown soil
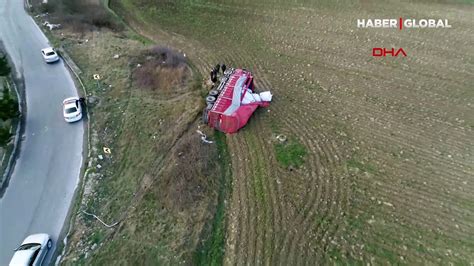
column 389, row 140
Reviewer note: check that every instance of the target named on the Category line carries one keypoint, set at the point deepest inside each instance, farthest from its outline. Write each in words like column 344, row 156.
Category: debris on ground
column 102, row 222
column 204, row 137
column 51, row 26
column 281, row 138
column 42, row 15
column 107, row 150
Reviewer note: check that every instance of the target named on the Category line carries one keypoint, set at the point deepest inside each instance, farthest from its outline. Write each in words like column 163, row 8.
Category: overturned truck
column 231, row 103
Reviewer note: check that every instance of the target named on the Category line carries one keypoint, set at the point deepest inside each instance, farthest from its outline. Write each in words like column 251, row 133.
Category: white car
column 72, row 109
column 32, row 251
column 49, row 55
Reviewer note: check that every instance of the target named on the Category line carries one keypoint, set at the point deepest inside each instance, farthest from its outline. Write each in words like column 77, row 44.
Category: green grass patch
column 96, row 237
column 323, row 222
column 382, row 253
column 140, row 38
column 290, row 153
column 365, row 167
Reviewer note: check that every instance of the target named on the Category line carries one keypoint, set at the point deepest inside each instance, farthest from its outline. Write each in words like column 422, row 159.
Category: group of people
column 216, row 70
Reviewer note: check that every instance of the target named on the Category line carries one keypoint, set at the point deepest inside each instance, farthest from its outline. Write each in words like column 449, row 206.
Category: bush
column 166, row 57
column 47, row 8
column 5, row 136
column 80, row 15
column 8, row 106
column 162, row 69
column 4, row 66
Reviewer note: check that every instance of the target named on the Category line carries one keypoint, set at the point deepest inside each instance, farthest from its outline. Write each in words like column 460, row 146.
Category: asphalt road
column 48, row 167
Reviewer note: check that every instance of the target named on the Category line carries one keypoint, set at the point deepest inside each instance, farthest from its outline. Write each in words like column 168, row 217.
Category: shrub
column 5, row 136
column 166, row 57
column 8, row 106
column 4, row 66
column 80, row 15
column 162, row 69
column 47, row 8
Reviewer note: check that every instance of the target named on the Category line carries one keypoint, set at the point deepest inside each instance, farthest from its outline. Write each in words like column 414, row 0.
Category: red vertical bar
column 400, row 23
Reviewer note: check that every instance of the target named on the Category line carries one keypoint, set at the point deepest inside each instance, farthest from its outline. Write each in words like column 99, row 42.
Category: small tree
column 47, row 8
column 5, row 136
column 4, row 66
column 8, row 106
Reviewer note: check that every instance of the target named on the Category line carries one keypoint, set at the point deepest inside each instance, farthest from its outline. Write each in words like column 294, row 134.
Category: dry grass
column 160, row 180
column 80, row 16
column 161, row 69
column 186, row 179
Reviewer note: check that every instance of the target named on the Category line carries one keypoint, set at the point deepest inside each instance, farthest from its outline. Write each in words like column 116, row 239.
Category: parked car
column 49, row 55
column 72, row 109
column 32, row 251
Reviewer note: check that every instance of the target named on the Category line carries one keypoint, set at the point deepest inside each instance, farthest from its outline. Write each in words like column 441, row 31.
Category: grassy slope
column 162, row 210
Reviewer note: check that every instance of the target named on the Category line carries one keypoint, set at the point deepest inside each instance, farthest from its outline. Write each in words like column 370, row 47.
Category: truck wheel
column 205, row 116
column 213, row 92
column 210, row 99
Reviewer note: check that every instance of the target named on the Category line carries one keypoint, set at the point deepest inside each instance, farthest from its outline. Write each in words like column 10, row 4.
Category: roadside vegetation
column 80, row 16
column 165, row 187
column 9, row 109
column 9, row 114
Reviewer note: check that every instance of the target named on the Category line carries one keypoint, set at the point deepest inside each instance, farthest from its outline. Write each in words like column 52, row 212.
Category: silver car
column 49, row 55
column 72, row 109
column 32, row 251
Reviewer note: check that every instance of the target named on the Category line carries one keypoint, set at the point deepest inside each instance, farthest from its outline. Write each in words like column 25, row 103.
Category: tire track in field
column 327, row 154
column 246, row 211
column 381, row 139
column 312, row 189
column 243, row 252
column 257, row 84
column 236, row 207
column 418, row 200
column 269, row 198
column 274, row 207
column 244, row 243
column 254, row 178
column 257, row 242
column 310, row 159
column 327, row 157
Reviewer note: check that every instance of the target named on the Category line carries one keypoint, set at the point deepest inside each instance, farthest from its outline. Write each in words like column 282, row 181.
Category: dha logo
column 401, row 23
column 377, row 52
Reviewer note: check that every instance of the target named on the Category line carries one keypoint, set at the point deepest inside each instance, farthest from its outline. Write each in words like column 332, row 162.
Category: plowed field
column 388, row 167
